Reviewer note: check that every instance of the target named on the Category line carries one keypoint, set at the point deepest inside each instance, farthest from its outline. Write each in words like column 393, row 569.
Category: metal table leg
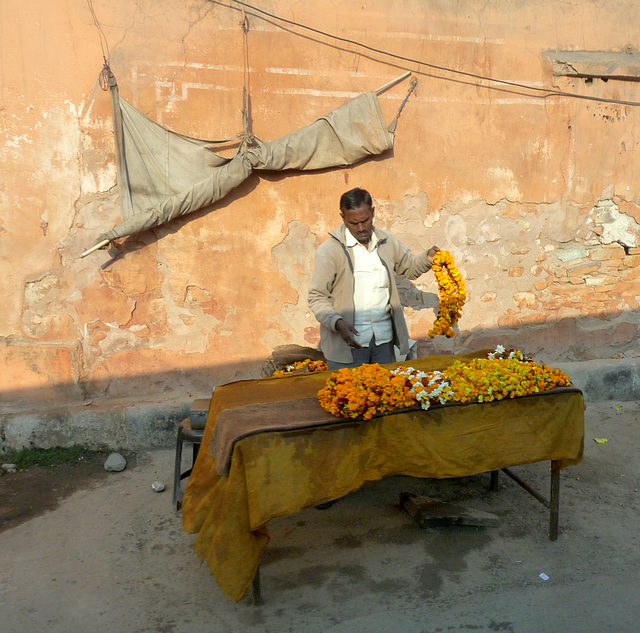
column 554, row 499
column 554, row 503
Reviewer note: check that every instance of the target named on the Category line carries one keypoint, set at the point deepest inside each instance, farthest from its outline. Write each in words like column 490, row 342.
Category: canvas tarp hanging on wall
column 163, row 175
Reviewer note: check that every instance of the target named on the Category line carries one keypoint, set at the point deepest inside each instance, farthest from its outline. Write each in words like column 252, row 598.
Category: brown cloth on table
column 236, row 423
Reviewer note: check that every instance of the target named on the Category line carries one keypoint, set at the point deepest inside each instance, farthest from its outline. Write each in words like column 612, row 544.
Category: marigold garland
column 364, row 391
column 452, row 294
column 308, row 365
column 370, row 389
column 487, row 379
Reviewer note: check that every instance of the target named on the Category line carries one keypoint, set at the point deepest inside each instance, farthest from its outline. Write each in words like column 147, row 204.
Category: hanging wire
column 103, row 78
column 503, row 86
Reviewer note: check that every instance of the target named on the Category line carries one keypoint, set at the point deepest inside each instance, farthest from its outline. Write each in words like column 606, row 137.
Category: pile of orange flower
column 365, row 391
column 307, row 365
column 452, row 294
column 370, row 389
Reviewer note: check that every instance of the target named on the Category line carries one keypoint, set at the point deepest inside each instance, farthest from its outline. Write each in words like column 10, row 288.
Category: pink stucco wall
column 534, row 197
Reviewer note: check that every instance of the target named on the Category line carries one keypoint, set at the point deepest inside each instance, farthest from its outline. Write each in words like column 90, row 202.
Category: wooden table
column 278, row 473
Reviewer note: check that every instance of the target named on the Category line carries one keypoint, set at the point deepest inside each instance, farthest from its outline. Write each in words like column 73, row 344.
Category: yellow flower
column 452, row 294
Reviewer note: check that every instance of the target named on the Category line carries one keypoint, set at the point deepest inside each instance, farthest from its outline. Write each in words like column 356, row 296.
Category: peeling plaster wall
column 536, row 198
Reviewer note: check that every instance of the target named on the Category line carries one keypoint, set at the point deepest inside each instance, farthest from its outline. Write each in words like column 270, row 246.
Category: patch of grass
column 25, row 457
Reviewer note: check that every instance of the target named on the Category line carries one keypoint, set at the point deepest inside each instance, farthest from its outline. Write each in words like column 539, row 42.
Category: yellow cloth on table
column 278, row 473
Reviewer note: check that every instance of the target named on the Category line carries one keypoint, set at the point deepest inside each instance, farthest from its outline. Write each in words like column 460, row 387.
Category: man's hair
column 351, row 200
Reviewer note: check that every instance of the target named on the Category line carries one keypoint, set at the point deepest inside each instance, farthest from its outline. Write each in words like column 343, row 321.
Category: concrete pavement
column 114, row 557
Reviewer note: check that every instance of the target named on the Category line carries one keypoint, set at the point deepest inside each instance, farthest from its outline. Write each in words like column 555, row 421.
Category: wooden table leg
column 257, row 593
column 493, row 485
column 554, row 502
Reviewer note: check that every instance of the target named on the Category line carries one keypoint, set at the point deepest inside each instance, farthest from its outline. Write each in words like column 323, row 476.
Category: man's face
column 359, row 222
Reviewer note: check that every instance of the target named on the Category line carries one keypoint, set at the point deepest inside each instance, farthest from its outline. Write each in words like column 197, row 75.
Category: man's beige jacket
column 331, row 288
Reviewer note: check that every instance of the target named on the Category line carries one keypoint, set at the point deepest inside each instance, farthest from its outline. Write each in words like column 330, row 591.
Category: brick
column 612, row 265
column 581, row 270
column 540, row 285
column 578, row 294
column 576, row 281
column 534, row 317
column 552, row 305
column 617, row 251
column 524, row 299
column 570, row 254
column 561, row 272
column 631, row 261
column 516, row 271
column 508, row 320
column 600, row 253
column 628, row 287
column 488, row 296
column 634, row 251
column 527, row 319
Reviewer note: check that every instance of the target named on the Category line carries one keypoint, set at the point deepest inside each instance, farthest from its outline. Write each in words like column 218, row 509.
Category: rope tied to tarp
column 394, row 123
column 106, row 78
column 247, row 136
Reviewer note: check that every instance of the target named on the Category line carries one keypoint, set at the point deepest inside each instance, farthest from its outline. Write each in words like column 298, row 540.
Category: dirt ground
column 38, row 489
column 85, row 550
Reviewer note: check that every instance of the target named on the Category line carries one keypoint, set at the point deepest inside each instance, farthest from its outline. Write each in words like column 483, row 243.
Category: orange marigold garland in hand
column 365, row 391
column 452, row 294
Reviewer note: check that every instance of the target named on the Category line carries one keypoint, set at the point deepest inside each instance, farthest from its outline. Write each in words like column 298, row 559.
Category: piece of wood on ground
column 433, row 513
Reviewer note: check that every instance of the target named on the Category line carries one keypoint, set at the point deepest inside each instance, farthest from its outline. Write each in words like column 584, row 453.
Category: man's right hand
column 347, row 332
column 431, row 254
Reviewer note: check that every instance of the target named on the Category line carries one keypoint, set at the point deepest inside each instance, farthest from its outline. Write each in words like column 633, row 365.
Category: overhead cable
column 543, row 93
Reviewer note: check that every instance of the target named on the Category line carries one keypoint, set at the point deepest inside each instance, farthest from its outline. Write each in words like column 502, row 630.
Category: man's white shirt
column 370, row 292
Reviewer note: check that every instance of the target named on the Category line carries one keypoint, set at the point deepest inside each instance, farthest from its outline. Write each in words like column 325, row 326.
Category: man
column 353, row 293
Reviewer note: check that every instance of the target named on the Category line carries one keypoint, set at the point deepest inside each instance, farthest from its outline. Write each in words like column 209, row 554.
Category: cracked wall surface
column 537, row 198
